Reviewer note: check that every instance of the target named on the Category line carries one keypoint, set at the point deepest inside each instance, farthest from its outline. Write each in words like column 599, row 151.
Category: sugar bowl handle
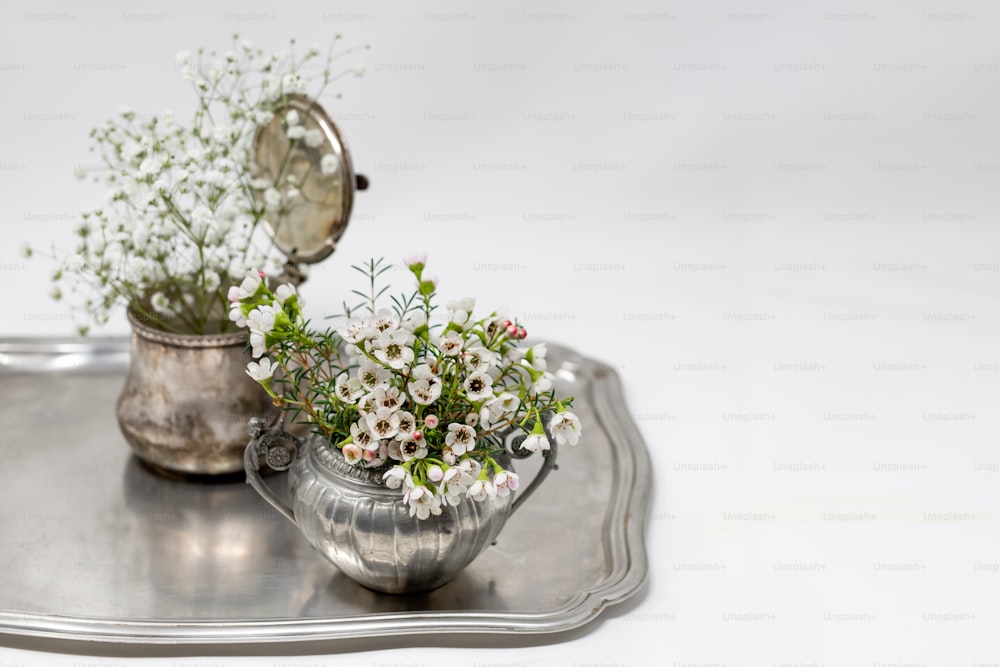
column 278, row 448
column 512, row 443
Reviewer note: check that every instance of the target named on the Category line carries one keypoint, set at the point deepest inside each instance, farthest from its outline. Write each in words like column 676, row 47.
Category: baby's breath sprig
column 183, row 208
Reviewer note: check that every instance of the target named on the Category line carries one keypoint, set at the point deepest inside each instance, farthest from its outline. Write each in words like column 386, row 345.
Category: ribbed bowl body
column 365, row 529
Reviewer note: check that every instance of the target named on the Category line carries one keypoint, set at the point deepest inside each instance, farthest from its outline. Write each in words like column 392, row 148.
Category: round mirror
column 304, row 178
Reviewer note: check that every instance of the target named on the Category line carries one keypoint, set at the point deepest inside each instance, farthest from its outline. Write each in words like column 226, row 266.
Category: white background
column 777, row 220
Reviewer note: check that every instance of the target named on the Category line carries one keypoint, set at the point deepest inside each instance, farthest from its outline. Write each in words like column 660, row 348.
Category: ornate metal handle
column 512, row 442
column 279, row 449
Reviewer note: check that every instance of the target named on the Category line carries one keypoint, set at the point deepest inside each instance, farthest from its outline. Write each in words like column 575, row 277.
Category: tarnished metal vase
column 186, row 401
column 364, row 528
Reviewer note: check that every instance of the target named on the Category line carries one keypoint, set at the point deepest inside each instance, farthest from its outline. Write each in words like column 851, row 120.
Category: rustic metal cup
column 187, row 400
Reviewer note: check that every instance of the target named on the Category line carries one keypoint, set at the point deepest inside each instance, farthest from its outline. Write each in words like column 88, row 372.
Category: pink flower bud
column 431, row 421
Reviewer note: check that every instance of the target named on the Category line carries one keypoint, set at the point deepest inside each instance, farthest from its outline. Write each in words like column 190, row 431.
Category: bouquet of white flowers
column 430, row 403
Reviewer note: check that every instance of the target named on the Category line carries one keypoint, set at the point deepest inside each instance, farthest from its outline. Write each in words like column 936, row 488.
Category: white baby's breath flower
column 160, row 303
column 329, row 165
column 292, row 118
column 296, row 132
column 314, row 138
column 272, row 197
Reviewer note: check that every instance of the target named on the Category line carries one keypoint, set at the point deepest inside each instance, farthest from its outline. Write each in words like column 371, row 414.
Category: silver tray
column 94, row 547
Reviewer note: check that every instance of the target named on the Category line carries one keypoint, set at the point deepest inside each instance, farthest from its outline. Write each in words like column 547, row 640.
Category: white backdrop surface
column 777, row 220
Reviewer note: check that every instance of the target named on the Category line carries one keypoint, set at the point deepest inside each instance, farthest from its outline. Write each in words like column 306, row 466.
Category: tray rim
column 624, row 533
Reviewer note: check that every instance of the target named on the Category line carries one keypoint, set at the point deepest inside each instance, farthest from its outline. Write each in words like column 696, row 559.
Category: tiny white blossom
column 535, row 356
column 383, row 423
column 424, row 392
column 479, row 359
column 355, row 330
column 407, row 425
column 422, row 502
column 296, row 132
column 385, row 321
column 478, row 386
column 236, row 314
column 292, row 118
column 535, row 443
column 460, row 438
column 284, row 291
column 329, row 164
column 257, row 344
column 272, row 197
column 565, row 428
column 412, row 449
column 160, row 303
column 451, row 344
column 542, row 384
column 348, row 389
column 262, row 370
column 505, row 482
column 481, row 489
column 390, row 398
column 361, row 435
column 395, row 476
column 261, row 318
column 393, row 349
column 353, row 454
column 371, row 375
column 313, row 138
